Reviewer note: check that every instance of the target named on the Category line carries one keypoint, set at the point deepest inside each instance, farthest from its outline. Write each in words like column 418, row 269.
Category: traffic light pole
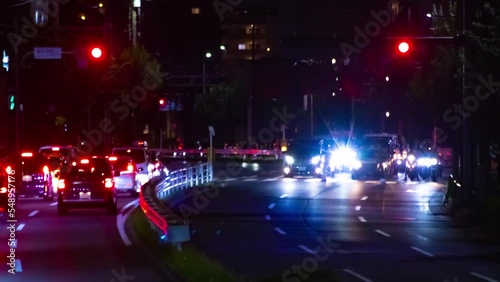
column 18, row 98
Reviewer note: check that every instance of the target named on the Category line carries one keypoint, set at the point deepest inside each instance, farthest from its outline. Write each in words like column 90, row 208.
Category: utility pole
column 312, row 116
column 250, row 99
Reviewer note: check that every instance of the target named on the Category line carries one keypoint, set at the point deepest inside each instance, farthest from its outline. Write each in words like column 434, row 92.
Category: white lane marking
column 372, row 182
column 268, row 217
column 306, row 249
column 53, row 204
column 483, row 277
column 358, row 208
column 283, row 196
column 364, row 198
column 357, row 275
column 33, row 213
column 418, row 235
column 19, row 266
column 20, row 227
column 120, row 221
column 271, row 206
column 362, row 219
column 277, row 229
column 14, row 244
column 391, row 182
column 249, row 179
column 422, row 251
column 382, row 233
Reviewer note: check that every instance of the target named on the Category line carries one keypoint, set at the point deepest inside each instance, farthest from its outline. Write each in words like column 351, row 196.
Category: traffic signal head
column 403, row 47
column 12, row 102
column 96, row 52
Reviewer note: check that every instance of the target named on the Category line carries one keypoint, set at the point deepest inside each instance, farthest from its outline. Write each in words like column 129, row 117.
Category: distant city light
column 387, row 114
column 208, row 55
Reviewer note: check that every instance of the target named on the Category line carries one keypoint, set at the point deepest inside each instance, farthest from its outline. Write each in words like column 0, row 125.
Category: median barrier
column 171, row 227
column 221, row 154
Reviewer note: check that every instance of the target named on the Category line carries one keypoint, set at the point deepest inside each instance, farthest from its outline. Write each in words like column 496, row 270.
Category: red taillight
column 61, row 184
column 2, row 209
column 108, row 183
column 3, row 190
column 130, row 168
column 8, row 170
column 46, row 170
column 112, row 159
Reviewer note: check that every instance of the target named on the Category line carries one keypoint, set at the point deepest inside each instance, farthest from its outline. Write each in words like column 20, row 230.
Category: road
column 259, row 225
column 262, row 225
column 83, row 246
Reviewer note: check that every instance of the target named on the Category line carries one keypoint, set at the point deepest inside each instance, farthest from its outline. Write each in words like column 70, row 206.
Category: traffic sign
column 47, row 53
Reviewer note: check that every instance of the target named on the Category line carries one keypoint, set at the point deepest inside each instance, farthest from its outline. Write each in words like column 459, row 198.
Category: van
column 140, row 158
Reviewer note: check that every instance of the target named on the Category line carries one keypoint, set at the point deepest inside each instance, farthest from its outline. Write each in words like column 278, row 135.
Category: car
column 33, row 174
column 7, row 189
column 125, row 175
column 142, row 159
column 303, row 159
column 87, row 183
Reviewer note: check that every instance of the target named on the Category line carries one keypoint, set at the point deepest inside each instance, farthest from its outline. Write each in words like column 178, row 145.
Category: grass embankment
column 205, row 269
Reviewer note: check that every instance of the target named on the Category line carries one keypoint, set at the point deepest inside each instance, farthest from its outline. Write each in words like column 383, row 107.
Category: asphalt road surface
column 261, row 224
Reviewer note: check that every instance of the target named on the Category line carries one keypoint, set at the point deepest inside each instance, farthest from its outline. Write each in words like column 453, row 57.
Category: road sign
column 47, row 53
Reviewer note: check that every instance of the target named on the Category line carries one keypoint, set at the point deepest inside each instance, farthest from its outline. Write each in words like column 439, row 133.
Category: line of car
column 77, row 181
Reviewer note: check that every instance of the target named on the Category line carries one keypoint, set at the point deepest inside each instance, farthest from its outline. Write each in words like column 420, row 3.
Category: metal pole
column 161, row 138
column 250, row 99
column 312, row 116
column 204, row 79
column 211, row 156
column 19, row 100
column 353, row 114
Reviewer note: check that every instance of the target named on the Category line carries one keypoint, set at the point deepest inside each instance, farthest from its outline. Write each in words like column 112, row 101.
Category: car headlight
column 289, row 160
column 427, row 161
column 315, row 160
column 411, row 158
column 356, row 164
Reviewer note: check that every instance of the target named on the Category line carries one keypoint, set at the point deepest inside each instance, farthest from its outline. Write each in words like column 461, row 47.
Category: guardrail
column 242, row 154
column 171, row 227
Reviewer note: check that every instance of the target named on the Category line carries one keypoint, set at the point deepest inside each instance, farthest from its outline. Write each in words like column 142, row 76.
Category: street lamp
column 208, row 55
column 334, row 61
column 387, row 114
column 386, row 78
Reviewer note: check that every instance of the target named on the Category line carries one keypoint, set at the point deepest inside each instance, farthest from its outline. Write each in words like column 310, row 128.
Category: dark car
column 88, row 183
column 6, row 191
column 33, row 175
column 303, row 158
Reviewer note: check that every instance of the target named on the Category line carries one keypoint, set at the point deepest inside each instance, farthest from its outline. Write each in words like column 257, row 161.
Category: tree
column 434, row 85
column 221, row 105
column 132, row 68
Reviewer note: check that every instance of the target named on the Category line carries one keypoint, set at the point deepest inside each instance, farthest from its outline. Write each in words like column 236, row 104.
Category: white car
column 125, row 175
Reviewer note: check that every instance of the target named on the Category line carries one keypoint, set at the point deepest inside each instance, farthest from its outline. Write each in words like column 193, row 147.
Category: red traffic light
column 403, row 47
column 96, row 53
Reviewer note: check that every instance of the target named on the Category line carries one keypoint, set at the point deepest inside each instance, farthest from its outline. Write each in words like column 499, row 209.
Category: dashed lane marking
column 20, row 227
column 382, row 233
column 306, row 249
column 364, row 198
column 53, row 204
column 33, row 213
column 277, row 229
column 268, row 217
column 486, row 278
column 362, row 219
column 19, row 266
column 358, row 208
column 357, row 275
column 422, row 251
column 271, row 206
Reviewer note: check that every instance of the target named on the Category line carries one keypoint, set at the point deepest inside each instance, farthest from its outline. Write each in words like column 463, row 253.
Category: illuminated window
column 195, row 11
column 242, row 47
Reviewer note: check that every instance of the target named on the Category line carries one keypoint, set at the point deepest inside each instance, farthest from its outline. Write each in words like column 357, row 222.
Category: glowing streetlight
column 387, row 114
column 333, row 94
column 386, row 78
column 208, row 55
column 223, row 48
column 82, row 17
column 334, row 61
column 429, row 15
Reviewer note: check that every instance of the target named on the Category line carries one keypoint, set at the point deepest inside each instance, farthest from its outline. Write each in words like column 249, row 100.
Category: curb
column 165, row 272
